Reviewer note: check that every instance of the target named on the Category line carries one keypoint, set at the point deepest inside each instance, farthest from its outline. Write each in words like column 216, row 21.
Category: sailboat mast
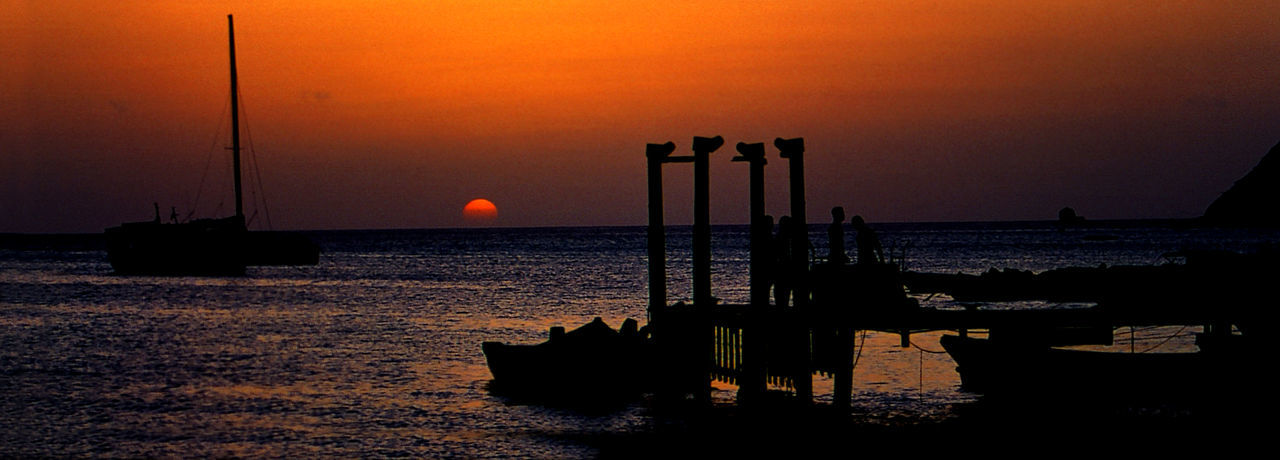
column 235, row 120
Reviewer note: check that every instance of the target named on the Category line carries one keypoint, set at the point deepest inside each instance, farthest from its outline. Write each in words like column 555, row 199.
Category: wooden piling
column 843, row 388
column 753, row 154
column 754, row 348
column 702, row 148
column 702, row 299
column 657, row 155
column 793, row 151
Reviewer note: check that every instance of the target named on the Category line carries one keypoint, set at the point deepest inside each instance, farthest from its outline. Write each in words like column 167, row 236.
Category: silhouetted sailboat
column 221, row 246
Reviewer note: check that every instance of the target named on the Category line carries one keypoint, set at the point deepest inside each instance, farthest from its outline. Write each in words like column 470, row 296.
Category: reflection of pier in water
column 757, row 344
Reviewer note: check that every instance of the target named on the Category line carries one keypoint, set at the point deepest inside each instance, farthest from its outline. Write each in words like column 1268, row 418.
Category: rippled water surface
column 376, row 351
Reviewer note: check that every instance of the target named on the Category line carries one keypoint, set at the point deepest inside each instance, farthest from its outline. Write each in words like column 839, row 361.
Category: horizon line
column 1085, row 223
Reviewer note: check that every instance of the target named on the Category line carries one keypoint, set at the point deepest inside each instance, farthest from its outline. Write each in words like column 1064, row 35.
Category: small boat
column 991, row 367
column 217, row 247
column 592, row 360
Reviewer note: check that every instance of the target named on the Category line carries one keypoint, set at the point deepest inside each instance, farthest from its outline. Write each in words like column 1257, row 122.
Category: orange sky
column 395, row 114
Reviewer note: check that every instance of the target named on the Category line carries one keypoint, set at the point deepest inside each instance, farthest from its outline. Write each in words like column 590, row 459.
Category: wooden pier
column 758, row 344
column 756, row 347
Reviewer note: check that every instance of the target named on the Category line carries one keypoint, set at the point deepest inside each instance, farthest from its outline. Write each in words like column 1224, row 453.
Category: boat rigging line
column 258, row 191
column 208, row 159
column 261, row 193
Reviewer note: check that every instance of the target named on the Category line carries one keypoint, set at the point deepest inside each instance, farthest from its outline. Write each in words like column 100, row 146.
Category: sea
column 375, row 351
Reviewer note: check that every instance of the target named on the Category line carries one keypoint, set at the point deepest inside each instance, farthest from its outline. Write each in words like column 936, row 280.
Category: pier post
column 702, row 148
column 704, row 339
column 754, row 346
column 657, row 155
column 843, row 388
column 753, row 154
column 675, row 330
column 793, row 151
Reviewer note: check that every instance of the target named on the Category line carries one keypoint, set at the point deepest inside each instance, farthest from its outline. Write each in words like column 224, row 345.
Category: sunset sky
column 395, row 114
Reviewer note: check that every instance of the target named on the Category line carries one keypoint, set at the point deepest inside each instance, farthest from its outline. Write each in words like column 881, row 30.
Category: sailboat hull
column 279, row 248
column 204, row 247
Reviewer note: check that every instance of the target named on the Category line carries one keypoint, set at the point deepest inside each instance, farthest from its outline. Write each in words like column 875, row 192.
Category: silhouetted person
column 173, row 214
column 835, row 238
column 785, row 258
column 869, row 250
column 157, row 206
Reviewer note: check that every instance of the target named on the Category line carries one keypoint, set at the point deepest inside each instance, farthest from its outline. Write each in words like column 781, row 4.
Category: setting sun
column 479, row 211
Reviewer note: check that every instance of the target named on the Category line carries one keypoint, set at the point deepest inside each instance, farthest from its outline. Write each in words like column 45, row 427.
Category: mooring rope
column 918, row 347
column 1166, row 340
column 861, row 346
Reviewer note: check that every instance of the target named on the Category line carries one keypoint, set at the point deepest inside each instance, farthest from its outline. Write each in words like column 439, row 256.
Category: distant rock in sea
column 1254, row 200
column 1068, row 216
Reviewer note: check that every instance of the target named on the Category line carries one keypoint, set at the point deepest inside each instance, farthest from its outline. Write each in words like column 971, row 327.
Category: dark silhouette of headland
column 1253, row 201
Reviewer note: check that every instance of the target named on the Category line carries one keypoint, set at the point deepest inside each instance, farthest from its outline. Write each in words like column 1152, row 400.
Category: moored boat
column 211, row 247
column 592, row 360
column 991, row 367
column 219, row 247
